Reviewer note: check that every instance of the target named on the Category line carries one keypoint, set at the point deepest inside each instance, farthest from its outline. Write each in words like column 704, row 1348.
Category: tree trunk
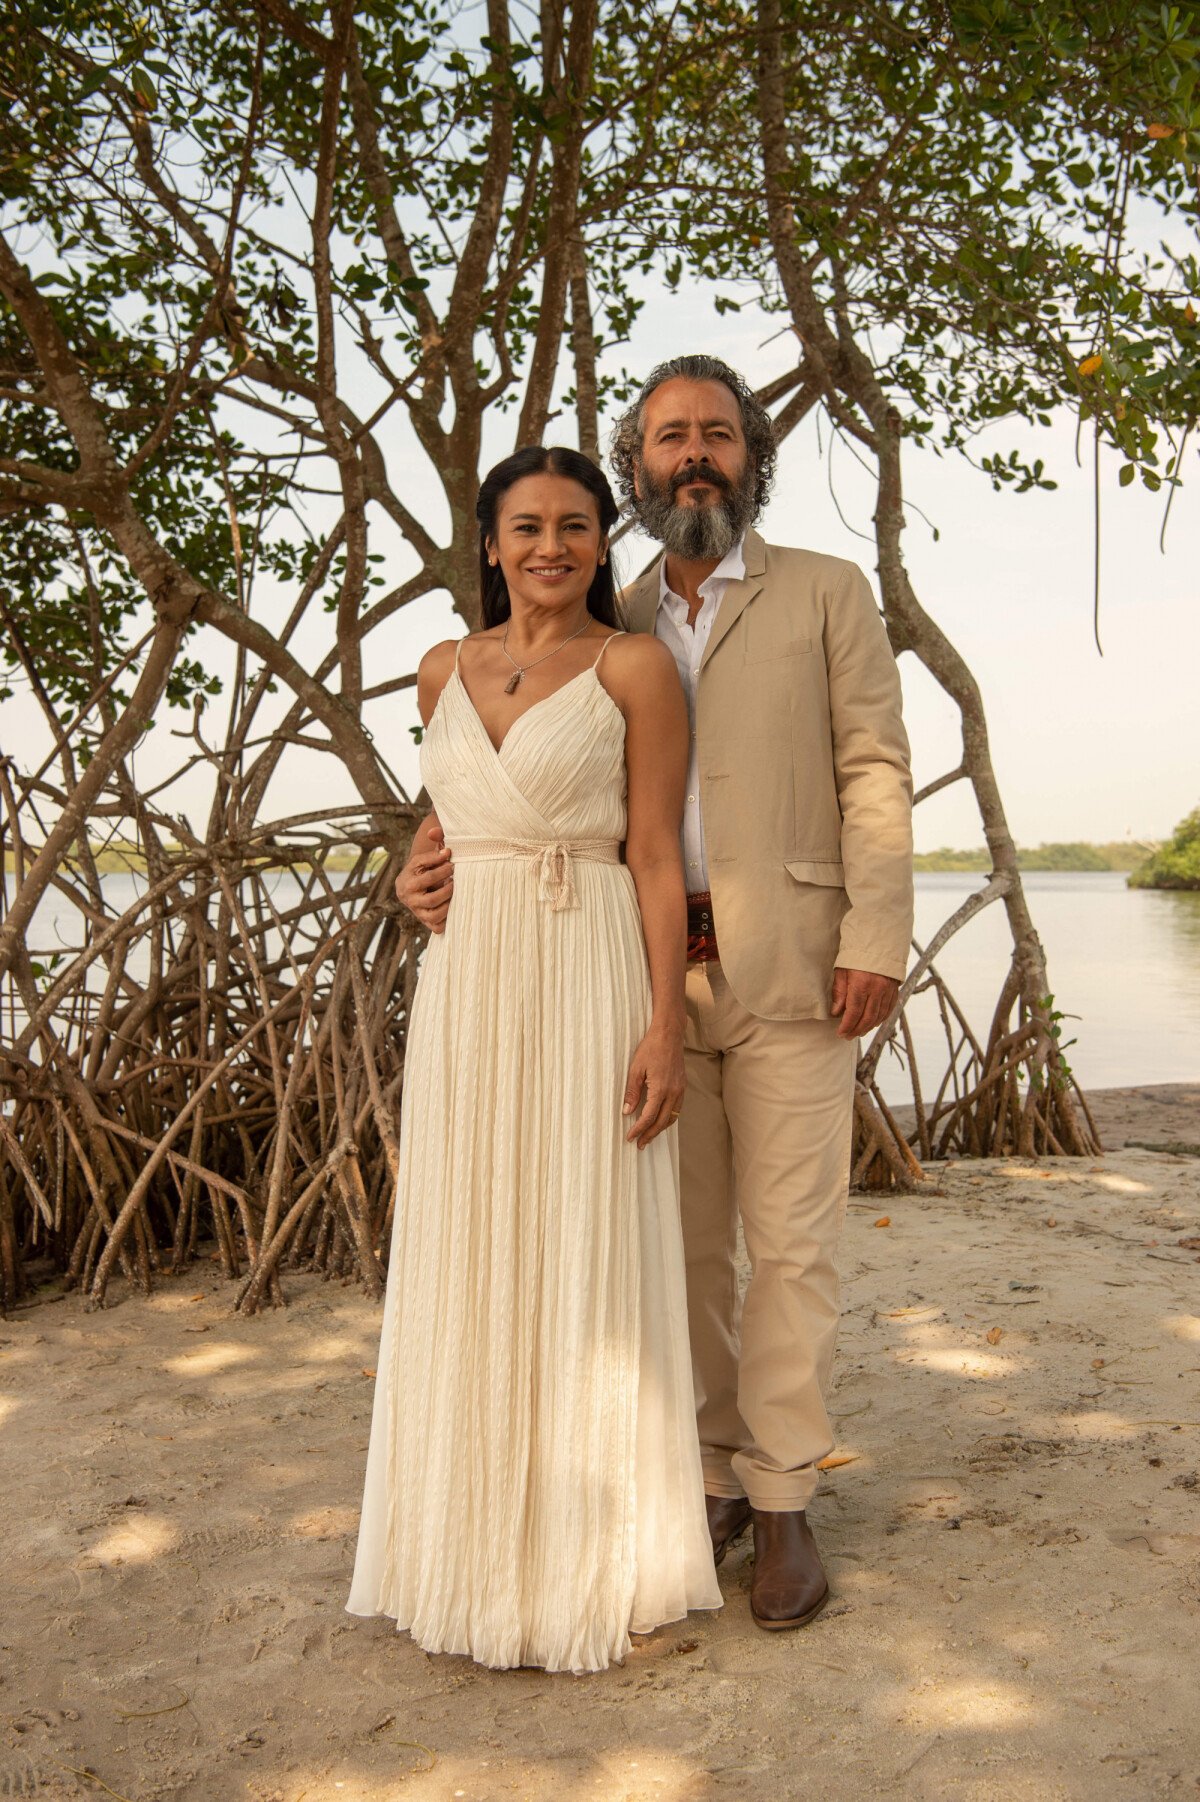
column 858, row 404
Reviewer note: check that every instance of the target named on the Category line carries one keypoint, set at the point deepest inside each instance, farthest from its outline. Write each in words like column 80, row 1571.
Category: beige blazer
column 805, row 788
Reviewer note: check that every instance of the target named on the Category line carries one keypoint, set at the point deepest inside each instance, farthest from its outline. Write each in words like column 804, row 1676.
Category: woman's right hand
column 426, row 883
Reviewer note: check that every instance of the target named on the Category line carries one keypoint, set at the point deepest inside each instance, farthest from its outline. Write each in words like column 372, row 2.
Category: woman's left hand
column 656, row 1081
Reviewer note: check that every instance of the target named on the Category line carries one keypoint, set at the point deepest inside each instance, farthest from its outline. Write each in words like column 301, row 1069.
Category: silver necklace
column 518, row 676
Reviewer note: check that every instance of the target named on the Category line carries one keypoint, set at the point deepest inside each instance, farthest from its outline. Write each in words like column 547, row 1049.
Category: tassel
column 555, row 882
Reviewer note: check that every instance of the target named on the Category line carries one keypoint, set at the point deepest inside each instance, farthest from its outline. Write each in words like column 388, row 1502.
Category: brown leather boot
column 727, row 1516
column 789, row 1587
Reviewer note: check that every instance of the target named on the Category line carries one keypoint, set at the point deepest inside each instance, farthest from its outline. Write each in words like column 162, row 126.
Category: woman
column 533, row 1491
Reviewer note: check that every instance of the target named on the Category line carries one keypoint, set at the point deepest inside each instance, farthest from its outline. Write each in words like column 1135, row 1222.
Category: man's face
column 693, row 480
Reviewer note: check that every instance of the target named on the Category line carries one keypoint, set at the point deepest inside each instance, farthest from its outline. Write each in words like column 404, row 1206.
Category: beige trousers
column 765, row 1132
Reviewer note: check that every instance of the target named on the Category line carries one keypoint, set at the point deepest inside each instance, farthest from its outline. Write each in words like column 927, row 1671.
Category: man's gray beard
column 697, row 534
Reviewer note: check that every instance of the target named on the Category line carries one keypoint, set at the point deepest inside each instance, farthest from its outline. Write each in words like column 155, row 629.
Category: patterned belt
column 553, row 857
column 701, row 933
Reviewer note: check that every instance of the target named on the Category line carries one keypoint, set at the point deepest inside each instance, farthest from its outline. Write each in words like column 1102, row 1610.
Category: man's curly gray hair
column 626, row 444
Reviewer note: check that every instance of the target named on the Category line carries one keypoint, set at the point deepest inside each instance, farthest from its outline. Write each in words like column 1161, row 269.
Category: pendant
column 514, row 682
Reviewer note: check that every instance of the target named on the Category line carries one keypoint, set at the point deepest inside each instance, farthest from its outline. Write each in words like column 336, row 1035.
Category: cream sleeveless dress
column 533, row 1490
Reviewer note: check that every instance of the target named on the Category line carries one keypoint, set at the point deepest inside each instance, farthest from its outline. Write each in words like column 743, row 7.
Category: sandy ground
column 1162, row 1116
column 1012, row 1542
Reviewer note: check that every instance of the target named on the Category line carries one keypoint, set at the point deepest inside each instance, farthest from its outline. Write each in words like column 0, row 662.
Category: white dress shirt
column 687, row 645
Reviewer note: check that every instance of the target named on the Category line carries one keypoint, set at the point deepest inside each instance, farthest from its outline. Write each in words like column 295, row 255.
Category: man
column 798, row 862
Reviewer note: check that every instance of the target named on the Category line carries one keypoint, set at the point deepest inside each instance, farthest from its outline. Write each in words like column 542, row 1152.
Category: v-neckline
column 524, row 715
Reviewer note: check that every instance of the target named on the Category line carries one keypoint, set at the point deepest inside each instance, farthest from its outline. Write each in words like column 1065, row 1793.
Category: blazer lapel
column 738, row 595
column 639, row 602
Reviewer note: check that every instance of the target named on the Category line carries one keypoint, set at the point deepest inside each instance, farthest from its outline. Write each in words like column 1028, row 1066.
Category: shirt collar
column 731, row 568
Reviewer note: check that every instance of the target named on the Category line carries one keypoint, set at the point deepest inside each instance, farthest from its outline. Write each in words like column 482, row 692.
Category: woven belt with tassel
column 554, row 859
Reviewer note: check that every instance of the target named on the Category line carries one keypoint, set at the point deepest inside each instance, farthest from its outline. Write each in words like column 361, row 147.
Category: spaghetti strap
column 457, row 648
column 604, row 647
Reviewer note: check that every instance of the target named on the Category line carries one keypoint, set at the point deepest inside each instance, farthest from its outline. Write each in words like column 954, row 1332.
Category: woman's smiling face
column 548, row 542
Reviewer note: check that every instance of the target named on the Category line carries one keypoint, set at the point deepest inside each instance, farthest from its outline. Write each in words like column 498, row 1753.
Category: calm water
column 1125, row 961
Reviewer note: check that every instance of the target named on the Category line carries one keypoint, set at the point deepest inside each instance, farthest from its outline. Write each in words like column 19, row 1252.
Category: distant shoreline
column 1124, row 855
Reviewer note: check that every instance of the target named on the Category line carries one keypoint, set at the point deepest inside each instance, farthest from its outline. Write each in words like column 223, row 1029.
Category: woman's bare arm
column 640, row 675
column 425, row 885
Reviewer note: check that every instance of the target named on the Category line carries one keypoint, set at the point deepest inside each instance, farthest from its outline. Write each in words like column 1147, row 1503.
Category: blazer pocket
column 791, row 647
column 828, row 872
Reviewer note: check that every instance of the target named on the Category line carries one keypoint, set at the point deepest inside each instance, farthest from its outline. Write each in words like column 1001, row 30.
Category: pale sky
column 1085, row 747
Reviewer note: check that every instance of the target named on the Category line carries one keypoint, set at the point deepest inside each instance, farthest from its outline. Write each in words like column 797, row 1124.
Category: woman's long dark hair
column 539, row 460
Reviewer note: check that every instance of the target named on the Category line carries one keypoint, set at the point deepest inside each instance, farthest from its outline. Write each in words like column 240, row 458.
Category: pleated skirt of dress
column 533, row 1490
